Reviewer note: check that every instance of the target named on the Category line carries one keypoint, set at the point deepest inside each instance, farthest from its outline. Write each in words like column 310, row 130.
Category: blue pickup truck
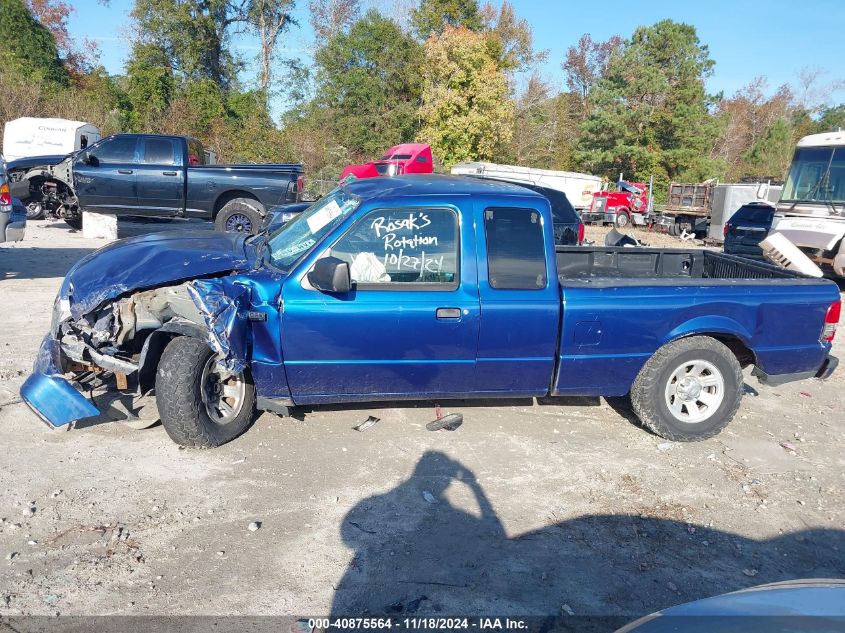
column 421, row 287
column 153, row 175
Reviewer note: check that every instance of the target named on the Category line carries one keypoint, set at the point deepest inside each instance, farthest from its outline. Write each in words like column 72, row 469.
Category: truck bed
column 620, row 305
column 577, row 266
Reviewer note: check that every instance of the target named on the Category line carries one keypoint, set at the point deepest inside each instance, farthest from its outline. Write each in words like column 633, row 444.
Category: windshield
column 291, row 241
column 817, row 174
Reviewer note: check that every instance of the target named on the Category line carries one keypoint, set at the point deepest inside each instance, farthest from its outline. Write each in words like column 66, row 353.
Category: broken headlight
column 61, row 312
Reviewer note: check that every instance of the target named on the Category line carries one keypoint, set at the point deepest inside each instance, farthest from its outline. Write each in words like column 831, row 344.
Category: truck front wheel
column 689, row 390
column 240, row 215
column 200, row 404
column 622, row 219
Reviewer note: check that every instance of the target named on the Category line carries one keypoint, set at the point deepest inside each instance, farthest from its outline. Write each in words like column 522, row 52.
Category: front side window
column 817, row 174
column 293, row 239
column 402, row 246
column 120, row 149
column 516, row 249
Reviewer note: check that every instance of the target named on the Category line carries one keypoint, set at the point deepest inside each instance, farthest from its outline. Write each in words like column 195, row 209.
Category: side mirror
column 88, row 158
column 330, row 274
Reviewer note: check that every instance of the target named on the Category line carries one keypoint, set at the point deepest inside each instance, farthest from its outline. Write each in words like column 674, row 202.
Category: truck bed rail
column 580, row 263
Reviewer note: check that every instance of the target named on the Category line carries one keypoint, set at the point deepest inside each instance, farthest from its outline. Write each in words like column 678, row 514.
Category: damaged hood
column 149, row 261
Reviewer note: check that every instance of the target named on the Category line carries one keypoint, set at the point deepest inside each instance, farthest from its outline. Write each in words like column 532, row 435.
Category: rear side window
column 120, row 149
column 196, row 152
column 159, row 151
column 516, row 250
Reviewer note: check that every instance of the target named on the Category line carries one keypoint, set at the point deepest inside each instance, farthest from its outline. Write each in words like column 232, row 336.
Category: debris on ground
column 446, row 423
column 254, row 526
column 805, row 394
column 429, row 497
column 369, row 422
column 789, row 446
column 749, row 572
column 567, row 610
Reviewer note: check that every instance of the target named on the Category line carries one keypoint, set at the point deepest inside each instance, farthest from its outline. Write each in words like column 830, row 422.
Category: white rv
column 28, row 136
column 579, row 188
column 811, row 209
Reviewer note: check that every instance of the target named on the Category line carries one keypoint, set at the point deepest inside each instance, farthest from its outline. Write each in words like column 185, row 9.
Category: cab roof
column 433, row 185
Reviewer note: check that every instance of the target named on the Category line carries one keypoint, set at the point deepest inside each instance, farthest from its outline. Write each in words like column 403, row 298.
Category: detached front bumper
column 49, row 394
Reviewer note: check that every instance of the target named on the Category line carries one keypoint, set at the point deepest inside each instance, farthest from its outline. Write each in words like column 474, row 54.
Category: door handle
column 448, row 313
column 124, row 171
column 168, row 173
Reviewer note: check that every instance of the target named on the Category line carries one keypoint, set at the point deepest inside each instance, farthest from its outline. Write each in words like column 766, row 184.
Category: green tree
column 769, row 156
column 368, row 85
column 151, row 84
column 651, row 113
column 27, row 47
column 466, row 112
column 831, row 118
column 433, row 16
column 194, row 34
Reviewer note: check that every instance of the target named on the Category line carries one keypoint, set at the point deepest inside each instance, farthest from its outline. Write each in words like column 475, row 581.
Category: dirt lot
column 526, row 509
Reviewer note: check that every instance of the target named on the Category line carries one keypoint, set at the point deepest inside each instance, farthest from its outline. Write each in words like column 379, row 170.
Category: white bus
column 811, row 209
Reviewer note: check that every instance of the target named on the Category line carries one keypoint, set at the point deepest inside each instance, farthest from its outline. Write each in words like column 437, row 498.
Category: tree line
column 462, row 76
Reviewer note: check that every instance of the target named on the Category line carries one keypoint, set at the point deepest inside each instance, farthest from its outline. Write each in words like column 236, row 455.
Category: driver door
column 107, row 182
column 407, row 329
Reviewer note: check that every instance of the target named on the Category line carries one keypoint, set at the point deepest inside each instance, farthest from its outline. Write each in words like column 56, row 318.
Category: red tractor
column 627, row 205
column 407, row 158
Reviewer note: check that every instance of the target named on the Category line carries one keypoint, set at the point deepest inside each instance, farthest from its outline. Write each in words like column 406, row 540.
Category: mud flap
column 49, row 394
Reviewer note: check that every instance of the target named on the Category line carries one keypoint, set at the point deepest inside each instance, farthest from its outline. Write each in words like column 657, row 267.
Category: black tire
column 179, row 397
column 650, row 398
column 240, row 215
column 75, row 223
column 622, row 219
column 34, row 210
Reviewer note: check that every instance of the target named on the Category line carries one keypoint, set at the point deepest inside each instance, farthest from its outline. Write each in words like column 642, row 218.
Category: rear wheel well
column 231, row 195
column 738, row 348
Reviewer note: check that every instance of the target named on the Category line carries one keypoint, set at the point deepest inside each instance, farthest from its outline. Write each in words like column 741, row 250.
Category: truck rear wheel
column 200, row 404
column 689, row 390
column 240, row 215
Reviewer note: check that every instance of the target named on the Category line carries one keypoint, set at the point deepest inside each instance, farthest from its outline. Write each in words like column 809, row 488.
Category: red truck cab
column 622, row 207
column 407, row 158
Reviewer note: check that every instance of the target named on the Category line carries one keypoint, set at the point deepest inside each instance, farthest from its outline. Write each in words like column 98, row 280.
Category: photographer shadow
column 415, row 553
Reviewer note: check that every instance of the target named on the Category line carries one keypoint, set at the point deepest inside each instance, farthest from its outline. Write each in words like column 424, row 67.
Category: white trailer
column 811, row 209
column 579, row 188
column 28, row 137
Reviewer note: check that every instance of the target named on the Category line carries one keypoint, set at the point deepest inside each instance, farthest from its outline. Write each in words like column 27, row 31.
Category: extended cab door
column 520, row 298
column 106, row 182
column 408, row 328
column 160, row 176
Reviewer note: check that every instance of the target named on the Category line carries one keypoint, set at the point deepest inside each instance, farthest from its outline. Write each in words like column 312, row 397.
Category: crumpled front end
column 116, row 346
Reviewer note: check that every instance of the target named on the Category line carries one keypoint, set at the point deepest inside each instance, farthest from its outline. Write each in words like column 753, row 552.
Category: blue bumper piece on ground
column 51, row 396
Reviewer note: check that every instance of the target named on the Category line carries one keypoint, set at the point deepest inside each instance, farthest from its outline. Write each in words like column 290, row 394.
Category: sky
column 774, row 38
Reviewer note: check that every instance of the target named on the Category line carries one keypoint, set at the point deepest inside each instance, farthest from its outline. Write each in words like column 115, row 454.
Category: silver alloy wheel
column 694, row 391
column 222, row 392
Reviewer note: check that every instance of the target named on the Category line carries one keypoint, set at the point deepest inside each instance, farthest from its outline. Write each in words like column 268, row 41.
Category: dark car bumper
column 824, row 372
column 49, row 394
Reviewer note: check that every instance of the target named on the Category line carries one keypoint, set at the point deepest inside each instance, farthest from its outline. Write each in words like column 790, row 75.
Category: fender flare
column 713, row 326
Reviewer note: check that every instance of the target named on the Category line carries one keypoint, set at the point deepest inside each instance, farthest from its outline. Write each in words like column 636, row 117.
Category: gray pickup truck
column 153, row 175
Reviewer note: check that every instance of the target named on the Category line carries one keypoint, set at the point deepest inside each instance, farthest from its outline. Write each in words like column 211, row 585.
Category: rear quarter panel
column 206, row 183
column 609, row 332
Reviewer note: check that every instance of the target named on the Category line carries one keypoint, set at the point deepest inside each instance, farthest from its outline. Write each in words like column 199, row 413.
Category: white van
column 28, row 136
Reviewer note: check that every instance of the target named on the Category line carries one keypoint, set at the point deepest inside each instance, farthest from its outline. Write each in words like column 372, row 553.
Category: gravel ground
column 528, row 508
